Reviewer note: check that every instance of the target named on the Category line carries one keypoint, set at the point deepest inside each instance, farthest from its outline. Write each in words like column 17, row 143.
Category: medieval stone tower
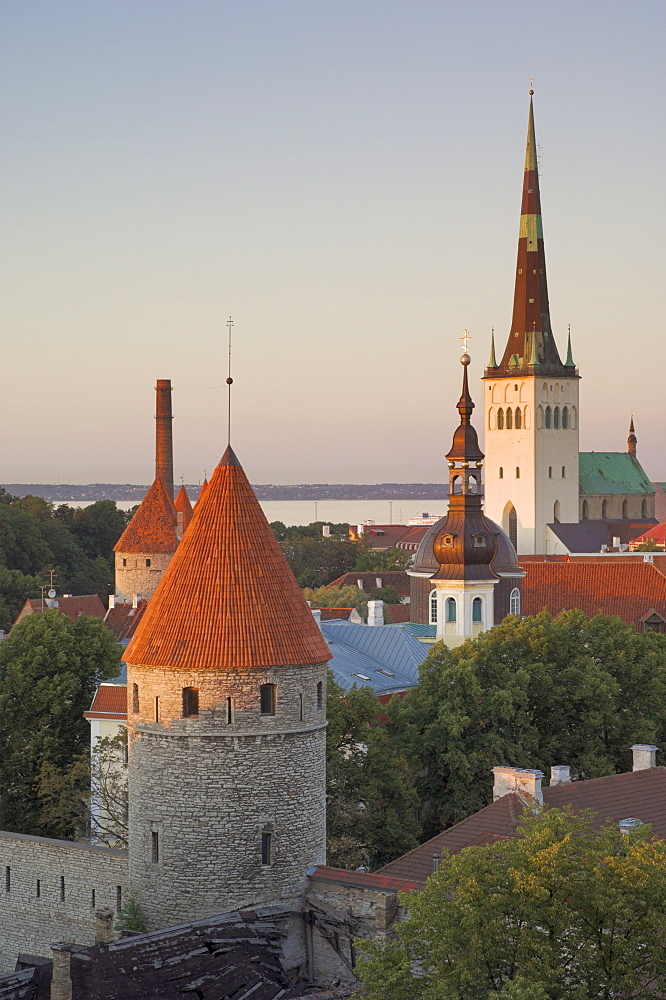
column 531, row 398
column 226, row 715
column 465, row 577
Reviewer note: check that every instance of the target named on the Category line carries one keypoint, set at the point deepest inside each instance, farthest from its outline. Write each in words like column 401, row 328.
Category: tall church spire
column 531, row 340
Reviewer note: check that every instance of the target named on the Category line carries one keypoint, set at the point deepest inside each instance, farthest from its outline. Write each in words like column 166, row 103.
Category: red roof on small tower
column 153, row 527
column 228, row 598
column 183, row 506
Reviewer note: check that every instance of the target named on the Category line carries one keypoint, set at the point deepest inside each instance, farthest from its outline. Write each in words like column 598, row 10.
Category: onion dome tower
column 183, row 506
column 531, row 397
column 226, row 685
column 145, row 548
column 465, row 575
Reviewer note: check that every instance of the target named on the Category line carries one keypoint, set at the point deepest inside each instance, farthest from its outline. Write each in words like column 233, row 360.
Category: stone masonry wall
column 49, row 891
column 135, row 577
column 203, row 790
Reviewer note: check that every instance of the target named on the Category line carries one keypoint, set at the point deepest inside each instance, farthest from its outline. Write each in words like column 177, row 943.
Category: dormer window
column 447, row 540
column 479, row 540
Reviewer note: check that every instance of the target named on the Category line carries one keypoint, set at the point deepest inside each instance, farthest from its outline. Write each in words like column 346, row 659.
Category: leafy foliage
column 130, row 917
column 529, row 693
column 317, row 561
column 562, row 912
column 50, row 667
column 371, row 803
column 390, row 559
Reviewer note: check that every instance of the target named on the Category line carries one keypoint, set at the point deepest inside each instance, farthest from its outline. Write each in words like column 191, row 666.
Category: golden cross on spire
column 466, row 337
column 531, row 85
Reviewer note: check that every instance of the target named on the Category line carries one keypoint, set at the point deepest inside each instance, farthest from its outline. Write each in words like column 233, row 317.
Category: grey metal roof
column 384, row 658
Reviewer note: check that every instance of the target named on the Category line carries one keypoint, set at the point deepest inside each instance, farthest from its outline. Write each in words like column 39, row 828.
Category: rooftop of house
column 153, row 527
column 371, row 581
column 380, row 657
column 110, row 702
column 608, row 472
column 639, row 794
column 122, row 619
column 592, row 536
column 656, row 534
column 87, row 604
column 626, row 589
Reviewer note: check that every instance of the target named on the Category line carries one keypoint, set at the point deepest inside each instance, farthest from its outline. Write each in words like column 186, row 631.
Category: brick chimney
column 163, row 434
column 645, row 756
column 524, row 781
column 375, row 612
column 104, row 926
column 61, row 983
column 560, row 774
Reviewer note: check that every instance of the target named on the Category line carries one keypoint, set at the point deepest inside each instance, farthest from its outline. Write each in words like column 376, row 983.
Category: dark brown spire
column 631, row 440
column 530, row 348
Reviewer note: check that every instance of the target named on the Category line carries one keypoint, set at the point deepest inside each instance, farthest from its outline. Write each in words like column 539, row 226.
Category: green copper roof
column 605, row 472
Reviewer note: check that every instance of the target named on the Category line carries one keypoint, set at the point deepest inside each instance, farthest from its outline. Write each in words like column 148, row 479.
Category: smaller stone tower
column 465, row 575
column 183, row 507
column 226, row 680
column 145, row 548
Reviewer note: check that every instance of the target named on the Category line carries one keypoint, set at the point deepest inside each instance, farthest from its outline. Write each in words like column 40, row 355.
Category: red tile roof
column 153, row 527
column 88, row 604
column 627, row 589
column 334, row 614
column 183, row 506
column 123, row 619
column 640, row 794
column 397, row 613
column 657, row 534
column 228, row 597
column 362, row 880
column 110, row 702
column 389, row 578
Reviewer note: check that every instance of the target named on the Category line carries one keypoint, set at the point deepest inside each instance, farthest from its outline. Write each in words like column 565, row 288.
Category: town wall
column 50, row 890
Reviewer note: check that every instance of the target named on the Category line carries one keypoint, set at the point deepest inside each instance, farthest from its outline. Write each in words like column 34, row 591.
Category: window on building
column 266, row 846
column 230, row 712
column 157, row 709
column 433, row 607
column 644, row 512
column 38, row 890
column 624, row 509
column 135, row 698
column 300, row 708
column 119, row 898
column 500, row 419
column 154, row 847
column 550, row 472
column 565, row 417
column 556, row 511
column 8, row 879
column 509, row 418
column 517, row 472
column 548, row 417
column 513, row 527
column 604, row 508
column 477, row 610
column 564, row 472
column 147, row 562
column 190, row 702
column 456, row 485
column 501, row 472
column 92, row 899
column 556, row 417
column 514, row 602
column 267, row 699
column 62, row 888
column 586, row 510
column 320, row 695
column 451, row 609
column 518, row 418
column 124, row 562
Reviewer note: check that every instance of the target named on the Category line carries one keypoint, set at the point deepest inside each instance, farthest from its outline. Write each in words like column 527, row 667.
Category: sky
column 343, row 178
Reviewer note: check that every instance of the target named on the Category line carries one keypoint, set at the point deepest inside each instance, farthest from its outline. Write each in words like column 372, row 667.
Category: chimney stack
column 375, row 612
column 560, row 774
column 163, row 435
column 135, row 601
column 316, row 614
column 104, row 926
column 645, row 756
column 522, row 781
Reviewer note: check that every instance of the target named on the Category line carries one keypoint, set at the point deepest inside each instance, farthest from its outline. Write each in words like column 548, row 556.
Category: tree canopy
column 50, row 667
column 562, row 912
column 529, row 693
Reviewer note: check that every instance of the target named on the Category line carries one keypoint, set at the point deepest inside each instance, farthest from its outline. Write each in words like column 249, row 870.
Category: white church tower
column 531, row 405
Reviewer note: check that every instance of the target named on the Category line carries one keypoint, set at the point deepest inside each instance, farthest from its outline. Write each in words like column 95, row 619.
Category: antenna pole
column 230, row 382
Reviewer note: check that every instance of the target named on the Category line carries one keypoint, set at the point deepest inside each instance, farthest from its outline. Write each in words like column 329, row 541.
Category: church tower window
column 451, row 609
column 586, row 510
column 550, row 472
column 433, row 607
column 604, row 508
column 509, row 418
column 501, row 472
column 267, row 699
column 644, row 512
column 556, row 418
column 556, row 511
column 513, row 527
column 500, row 419
column 517, row 472
column 565, row 417
column 477, row 611
column 320, row 696
column 514, row 602
column 624, row 509
column 518, row 419
column 548, row 417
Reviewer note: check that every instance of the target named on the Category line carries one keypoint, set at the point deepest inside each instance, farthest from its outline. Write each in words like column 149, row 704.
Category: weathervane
column 531, row 85
column 230, row 382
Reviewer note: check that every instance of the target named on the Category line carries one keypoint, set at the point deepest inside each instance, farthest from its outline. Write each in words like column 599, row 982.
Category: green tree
column 370, row 561
column 334, row 597
column 37, row 507
column 15, row 589
column 98, row 527
column 389, row 595
column 50, row 667
column 650, row 546
column 22, row 545
column 529, row 693
column 562, row 912
column 318, row 560
column 371, row 802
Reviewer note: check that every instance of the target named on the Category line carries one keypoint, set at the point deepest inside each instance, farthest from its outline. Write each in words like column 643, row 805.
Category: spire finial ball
column 230, row 381
column 531, row 93
column 465, row 359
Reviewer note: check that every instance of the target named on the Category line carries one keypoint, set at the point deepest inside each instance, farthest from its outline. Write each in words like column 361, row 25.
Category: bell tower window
column 451, row 609
column 500, row 419
column 509, row 418
column 477, row 611
column 556, row 417
column 518, row 419
column 513, row 527
column 548, row 417
column 514, row 602
column 433, row 607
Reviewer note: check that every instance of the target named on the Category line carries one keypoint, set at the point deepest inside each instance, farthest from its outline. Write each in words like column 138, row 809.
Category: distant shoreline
column 62, row 493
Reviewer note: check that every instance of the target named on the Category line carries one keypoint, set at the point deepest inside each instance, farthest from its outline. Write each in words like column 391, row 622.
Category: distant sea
column 330, row 511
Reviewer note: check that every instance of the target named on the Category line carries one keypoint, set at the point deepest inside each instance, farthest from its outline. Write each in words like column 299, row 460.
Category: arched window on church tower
column 500, row 419
column 518, row 419
column 624, row 509
column 565, row 417
column 451, row 609
column 604, row 508
column 477, row 611
column 556, row 511
column 501, row 472
column 514, row 602
column 513, row 527
column 433, row 607
column 644, row 512
column 509, row 418
column 556, row 418
column 586, row 510
column 548, row 417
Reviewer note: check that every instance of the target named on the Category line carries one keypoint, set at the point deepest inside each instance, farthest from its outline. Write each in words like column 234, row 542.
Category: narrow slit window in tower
column 550, row 472
column 154, row 847
column 501, row 472
column 8, row 879
column 135, row 698
column 604, row 508
column 147, row 562
column 267, row 699
column 556, row 417
column 62, row 888
column 320, row 695
column 157, row 709
column 548, row 417
column 565, row 417
column 624, row 509
column 644, row 512
column 92, row 899
column 586, row 510
column 38, row 891
column 266, row 849
column 517, row 472
column 230, row 710
column 518, row 419
column 300, row 707
column 564, row 472
column 119, row 898
column 509, row 418
column 500, row 419
column 190, row 702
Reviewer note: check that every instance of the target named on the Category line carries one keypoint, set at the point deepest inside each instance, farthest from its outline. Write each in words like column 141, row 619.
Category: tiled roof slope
column 183, row 506
column 606, row 472
column 88, row 604
column 641, row 794
column 110, row 702
column 627, row 590
column 590, row 536
column 656, row 534
column 362, row 880
column 123, row 619
column 228, row 597
column 153, row 527
column 389, row 578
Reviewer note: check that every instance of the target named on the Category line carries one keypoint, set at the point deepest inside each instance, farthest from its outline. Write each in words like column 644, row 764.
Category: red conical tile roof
column 183, row 506
column 228, row 598
column 153, row 527
column 202, row 490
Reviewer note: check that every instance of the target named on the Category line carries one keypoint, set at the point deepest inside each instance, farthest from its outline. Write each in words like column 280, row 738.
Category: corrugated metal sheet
column 382, row 657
